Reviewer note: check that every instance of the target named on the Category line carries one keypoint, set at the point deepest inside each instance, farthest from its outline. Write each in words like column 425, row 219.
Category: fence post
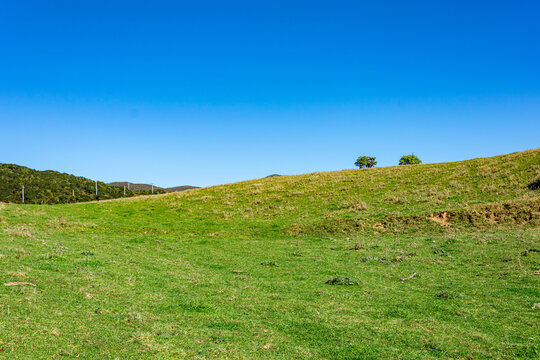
column 23, row 194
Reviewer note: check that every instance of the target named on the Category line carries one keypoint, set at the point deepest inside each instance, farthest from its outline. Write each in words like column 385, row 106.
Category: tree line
column 370, row 161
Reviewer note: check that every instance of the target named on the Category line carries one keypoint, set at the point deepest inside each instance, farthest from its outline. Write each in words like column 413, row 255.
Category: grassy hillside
column 51, row 187
column 432, row 261
column 180, row 188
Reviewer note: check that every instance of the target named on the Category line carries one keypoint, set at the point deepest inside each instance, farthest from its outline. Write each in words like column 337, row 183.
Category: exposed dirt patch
column 19, row 284
column 378, row 226
column 441, row 219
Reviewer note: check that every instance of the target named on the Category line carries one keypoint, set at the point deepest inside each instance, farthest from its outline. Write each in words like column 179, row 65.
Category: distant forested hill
column 51, row 187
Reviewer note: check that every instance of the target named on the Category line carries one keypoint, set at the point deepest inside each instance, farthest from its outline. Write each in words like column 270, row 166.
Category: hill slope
column 181, row 188
column 434, row 261
column 368, row 200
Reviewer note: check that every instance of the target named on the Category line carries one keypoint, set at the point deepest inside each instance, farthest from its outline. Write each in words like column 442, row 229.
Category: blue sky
column 210, row 92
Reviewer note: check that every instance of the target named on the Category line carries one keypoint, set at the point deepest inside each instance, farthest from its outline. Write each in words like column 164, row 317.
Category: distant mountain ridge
column 134, row 187
column 181, row 188
column 148, row 187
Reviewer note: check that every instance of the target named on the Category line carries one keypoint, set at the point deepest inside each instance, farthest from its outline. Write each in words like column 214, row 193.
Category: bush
column 409, row 160
column 365, row 162
column 341, row 280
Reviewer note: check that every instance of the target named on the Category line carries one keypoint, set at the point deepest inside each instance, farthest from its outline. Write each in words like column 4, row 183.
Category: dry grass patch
column 22, row 231
column 393, row 199
column 17, row 274
column 62, row 224
column 353, row 205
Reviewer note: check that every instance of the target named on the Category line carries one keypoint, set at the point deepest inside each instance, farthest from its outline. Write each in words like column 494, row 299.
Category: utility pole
column 96, row 187
column 73, row 192
column 152, row 188
column 23, row 194
column 124, row 190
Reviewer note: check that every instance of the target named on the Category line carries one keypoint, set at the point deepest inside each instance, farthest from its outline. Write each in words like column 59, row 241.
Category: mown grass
column 243, row 270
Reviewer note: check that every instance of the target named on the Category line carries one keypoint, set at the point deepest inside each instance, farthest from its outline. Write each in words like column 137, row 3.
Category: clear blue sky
column 209, row 92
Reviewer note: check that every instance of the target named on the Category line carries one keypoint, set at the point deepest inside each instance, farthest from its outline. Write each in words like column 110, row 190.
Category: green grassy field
column 442, row 260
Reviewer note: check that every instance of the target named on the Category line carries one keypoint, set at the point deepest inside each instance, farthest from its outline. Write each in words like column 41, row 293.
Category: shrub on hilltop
column 365, row 162
column 409, row 160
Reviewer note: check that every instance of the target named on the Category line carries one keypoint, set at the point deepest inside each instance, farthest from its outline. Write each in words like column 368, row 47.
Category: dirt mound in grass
column 523, row 212
column 509, row 213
